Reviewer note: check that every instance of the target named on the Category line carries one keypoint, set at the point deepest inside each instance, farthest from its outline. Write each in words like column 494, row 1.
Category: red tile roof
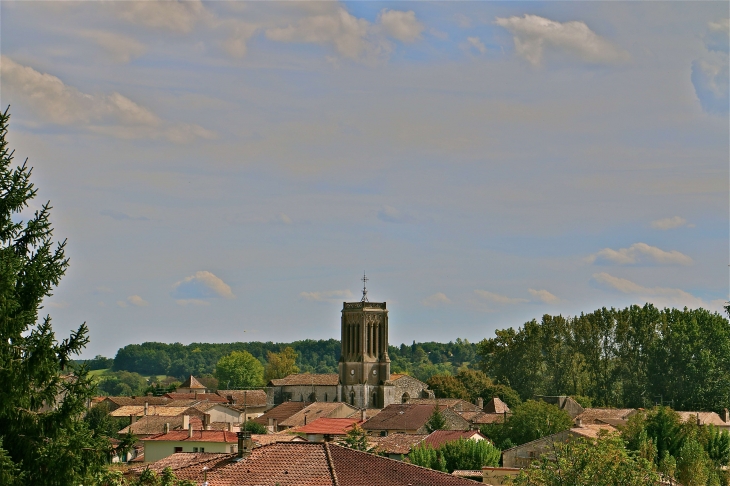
column 329, row 426
column 414, row 416
column 439, row 437
column 495, row 405
column 192, row 383
column 251, row 398
column 316, row 410
column 280, row 412
column 396, row 443
column 330, row 379
column 198, row 436
column 302, row 464
column 211, row 397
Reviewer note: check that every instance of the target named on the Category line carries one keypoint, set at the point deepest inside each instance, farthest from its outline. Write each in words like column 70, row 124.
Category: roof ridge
column 330, row 464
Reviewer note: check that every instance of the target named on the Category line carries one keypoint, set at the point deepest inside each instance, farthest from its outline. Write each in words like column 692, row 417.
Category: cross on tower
column 364, row 287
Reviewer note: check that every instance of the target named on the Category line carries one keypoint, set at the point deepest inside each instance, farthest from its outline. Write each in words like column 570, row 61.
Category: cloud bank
column 198, row 288
column 498, row 299
column 640, row 253
column 328, row 296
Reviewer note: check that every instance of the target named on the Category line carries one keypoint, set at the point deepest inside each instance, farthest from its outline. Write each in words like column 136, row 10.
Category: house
column 396, row 446
column 304, row 387
column 316, row 410
column 219, row 412
column 135, row 411
column 721, row 421
column 456, row 404
column 191, row 385
column 327, row 429
column 563, row 403
column 272, row 417
column 522, row 455
column 411, row 418
column 211, row 397
column 114, row 403
column 150, row 425
column 159, row 446
column 610, row 416
column 252, row 403
column 437, row 438
column 297, row 464
column 266, row 439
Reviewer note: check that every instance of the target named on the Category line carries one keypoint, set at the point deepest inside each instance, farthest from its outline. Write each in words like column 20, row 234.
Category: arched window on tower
column 352, row 398
column 405, row 398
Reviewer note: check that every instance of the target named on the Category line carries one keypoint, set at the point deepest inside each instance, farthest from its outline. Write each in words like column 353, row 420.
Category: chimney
column 166, row 429
column 186, row 421
column 699, row 422
column 480, row 403
column 229, row 426
column 206, row 421
column 725, row 415
column 190, row 431
column 363, row 415
column 245, row 444
column 132, row 419
column 146, row 407
column 579, row 422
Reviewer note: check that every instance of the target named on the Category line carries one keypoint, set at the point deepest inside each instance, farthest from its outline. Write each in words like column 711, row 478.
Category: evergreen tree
column 436, row 421
column 41, row 403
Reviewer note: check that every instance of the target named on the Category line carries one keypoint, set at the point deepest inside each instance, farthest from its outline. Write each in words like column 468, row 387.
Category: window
column 178, row 449
column 195, row 449
column 202, row 449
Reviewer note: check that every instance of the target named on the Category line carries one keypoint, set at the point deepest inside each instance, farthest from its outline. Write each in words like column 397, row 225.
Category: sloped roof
column 211, row 397
column 414, row 416
column 280, row 412
column 397, row 443
column 314, row 411
column 439, row 437
column 601, row 415
column 304, row 464
column 328, row 379
column 495, row 405
column 192, row 383
column 155, row 424
column 329, row 426
column 252, row 398
column 265, row 439
column 181, row 460
column 483, row 418
column 163, row 411
column 198, row 436
column 122, row 401
column 706, row 418
column 592, row 431
column 454, row 403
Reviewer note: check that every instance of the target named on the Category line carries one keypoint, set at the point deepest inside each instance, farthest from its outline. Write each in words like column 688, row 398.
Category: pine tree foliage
column 41, row 403
column 436, row 421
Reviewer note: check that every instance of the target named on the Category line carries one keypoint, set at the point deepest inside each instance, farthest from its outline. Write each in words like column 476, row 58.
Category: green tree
column 529, row 421
column 469, row 454
column 122, row 383
column 279, row 365
column 356, row 438
column 239, row 370
column 475, row 382
column 693, row 464
column 447, row 386
column 41, row 403
column 580, row 462
column 426, row 456
column 254, row 427
column 436, row 421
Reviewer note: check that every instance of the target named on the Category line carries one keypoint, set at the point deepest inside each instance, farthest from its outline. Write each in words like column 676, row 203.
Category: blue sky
column 225, row 171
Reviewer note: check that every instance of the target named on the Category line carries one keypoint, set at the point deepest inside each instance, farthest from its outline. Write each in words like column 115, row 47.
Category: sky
column 226, row 171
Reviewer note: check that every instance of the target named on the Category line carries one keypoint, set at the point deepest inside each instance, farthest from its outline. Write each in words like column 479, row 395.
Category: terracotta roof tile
column 453, row 403
column 330, row 379
column 414, row 416
column 303, row 464
column 265, row 439
column 478, row 418
column 397, row 443
column 706, row 418
column 193, row 383
column 155, row 424
column 211, row 397
column 163, row 411
column 198, row 436
column 600, row 415
column 592, row 431
column 317, row 410
column 280, row 412
column 122, row 401
column 495, row 405
column 438, row 437
column 252, row 398
column 329, row 426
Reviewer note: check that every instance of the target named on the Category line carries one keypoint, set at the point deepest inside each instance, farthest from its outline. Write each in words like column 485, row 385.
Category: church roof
column 280, row 412
column 326, row 379
column 192, row 382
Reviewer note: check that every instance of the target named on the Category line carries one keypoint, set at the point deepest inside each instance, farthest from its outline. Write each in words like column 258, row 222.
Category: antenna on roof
column 364, row 287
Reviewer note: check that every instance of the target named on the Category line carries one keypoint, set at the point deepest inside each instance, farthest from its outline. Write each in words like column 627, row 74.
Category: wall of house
column 407, row 385
column 154, row 450
column 301, row 393
column 224, row 414
column 499, row 475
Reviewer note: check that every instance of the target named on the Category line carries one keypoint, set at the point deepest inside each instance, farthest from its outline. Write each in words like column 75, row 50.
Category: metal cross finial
column 364, row 287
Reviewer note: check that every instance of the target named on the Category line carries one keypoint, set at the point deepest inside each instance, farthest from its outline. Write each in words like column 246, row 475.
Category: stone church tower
column 364, row 363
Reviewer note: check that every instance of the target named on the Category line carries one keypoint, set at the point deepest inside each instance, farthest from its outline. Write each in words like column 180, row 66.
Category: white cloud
column 328, row 295
column 498, row 299
column 476, row 43
column 138, row 301
column 346, row 33
column 436, row 299
column 661, row 296
column 202, row 285
column 401, row 25
column 533, row 34
column 240, row 33
column 637, row 252
column 111, row 114
column 670, row 223
column 174, row 15
column 121, row 48
column 544, row 296
column 722, row 25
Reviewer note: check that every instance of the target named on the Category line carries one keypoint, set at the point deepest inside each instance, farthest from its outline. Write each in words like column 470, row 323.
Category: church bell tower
column 364, row 362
